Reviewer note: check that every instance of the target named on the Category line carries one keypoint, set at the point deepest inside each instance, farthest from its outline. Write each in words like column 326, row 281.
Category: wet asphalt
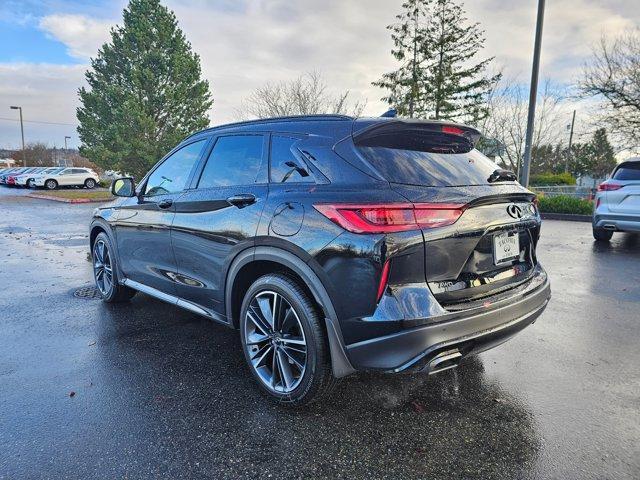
column 145, row 390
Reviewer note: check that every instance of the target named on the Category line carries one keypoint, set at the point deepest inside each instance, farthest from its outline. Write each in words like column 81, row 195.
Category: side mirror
column 123, row 187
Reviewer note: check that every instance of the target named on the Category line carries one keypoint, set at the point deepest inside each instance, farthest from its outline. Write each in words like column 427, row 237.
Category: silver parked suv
column 617, row 203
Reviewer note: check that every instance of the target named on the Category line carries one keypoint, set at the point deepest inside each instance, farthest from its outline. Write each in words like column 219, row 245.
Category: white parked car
column 67, row 177
column 617, row 203
column 26, row 179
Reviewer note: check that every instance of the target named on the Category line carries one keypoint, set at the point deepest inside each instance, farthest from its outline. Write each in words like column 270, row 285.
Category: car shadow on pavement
column 170, row 376
column 628, row 243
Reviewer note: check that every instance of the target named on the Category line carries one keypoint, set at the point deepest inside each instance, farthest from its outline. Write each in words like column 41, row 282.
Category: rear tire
column 105, row 272
column 287, row 352
column 89, row 183
column 51, row 184
column 602, row 235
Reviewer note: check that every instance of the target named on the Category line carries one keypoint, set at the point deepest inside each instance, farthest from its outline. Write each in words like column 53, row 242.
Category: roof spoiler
column 452, row 130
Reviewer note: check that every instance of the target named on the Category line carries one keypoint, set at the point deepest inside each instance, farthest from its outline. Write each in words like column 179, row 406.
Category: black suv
column 332, row 244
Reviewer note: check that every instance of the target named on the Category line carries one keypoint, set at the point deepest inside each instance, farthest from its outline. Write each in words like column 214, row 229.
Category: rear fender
column 340, row 363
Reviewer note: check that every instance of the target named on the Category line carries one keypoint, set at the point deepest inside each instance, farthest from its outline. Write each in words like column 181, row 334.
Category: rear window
column 627, row 171
column 434, row 169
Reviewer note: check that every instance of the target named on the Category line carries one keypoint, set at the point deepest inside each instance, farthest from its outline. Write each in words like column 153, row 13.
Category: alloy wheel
column 102, row 268
column 275, row 342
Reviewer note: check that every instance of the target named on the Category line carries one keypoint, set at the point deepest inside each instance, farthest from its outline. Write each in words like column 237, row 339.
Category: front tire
column 89, row 183
column 602, row 235
column 51, row 184
column 284, row 342
column 105, row 272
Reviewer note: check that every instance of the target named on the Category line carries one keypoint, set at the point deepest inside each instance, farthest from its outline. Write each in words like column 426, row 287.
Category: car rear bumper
column 617, row 222
column 462, row 333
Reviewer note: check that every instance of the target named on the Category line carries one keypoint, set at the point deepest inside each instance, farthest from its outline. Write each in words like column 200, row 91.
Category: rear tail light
column 606, row 187
column 451, row 129
column 394, row 217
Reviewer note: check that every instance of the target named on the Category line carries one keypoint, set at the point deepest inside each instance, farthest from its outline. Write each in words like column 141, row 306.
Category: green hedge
column 544, row 179
column 565, row 204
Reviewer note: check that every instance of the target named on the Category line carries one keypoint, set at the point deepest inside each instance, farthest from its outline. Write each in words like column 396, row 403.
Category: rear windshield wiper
column 501, row 175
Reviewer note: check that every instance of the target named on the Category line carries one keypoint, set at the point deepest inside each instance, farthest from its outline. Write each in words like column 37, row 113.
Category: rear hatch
column 491, row 247
column 623, row 189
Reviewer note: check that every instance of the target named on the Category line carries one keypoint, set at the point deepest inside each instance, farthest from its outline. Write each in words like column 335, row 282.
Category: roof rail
column 300, row 118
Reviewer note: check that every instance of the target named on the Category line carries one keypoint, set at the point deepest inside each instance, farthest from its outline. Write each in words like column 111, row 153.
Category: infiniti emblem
column 514, row 211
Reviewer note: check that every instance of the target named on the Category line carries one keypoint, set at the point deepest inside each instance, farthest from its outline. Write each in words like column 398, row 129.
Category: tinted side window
column 172, row 175
column 234, row 160
column 627, row 171
column 285, row 167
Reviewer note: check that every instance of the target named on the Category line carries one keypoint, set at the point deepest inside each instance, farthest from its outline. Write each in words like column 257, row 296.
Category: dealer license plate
column 506, row 247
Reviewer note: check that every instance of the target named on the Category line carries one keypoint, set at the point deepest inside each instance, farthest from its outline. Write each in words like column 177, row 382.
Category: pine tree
column 406, row 85
column 146, row 92
column 440, row 77
column 602, row 158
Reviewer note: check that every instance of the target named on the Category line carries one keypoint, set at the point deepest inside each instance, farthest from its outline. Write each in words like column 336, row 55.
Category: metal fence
column 569, row 190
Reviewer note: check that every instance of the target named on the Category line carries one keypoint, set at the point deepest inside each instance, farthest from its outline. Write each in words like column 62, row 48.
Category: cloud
column 571, row 27
column 46, row 93
column 83, row 36
column 245, row 43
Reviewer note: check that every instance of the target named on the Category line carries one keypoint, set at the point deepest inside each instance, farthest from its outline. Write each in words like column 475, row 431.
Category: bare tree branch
column 613, row 76
column 306, row 95
column 507, row 121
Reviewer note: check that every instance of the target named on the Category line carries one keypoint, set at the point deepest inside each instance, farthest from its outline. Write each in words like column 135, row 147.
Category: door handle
column 242, row 200
column 166, row 203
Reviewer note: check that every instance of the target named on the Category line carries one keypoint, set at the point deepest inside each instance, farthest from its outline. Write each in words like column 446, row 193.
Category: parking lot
column 144, row 390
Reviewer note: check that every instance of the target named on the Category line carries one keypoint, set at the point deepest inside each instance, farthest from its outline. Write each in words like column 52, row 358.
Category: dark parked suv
column 332, row 244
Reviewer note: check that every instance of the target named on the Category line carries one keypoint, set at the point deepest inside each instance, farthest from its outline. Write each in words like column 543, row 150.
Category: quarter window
column 234, row 160
column 285, row 166
column 173, row 174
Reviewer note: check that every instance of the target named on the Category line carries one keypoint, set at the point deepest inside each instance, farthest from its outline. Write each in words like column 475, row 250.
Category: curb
column 67, row 200
column 569, row 217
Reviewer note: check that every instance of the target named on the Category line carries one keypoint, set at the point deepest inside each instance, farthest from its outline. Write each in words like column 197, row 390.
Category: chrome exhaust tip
column 445, row 361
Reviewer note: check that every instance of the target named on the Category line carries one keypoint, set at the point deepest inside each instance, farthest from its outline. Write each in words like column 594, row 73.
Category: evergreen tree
column 440, row 77
column 406, row 85
column 579, row 158
column 547, row 158
column 146, row 92
column 602, row 158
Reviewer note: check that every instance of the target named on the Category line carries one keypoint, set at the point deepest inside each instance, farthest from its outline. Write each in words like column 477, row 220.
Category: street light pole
column 533, row 93
column 24, row 158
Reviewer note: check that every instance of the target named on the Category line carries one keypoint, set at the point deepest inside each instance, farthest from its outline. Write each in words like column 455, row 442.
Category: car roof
column 337, row 126
column 310, row 124
column 630, row 160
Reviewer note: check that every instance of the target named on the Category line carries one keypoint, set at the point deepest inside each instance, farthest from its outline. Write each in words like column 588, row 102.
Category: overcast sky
column 45, row 48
